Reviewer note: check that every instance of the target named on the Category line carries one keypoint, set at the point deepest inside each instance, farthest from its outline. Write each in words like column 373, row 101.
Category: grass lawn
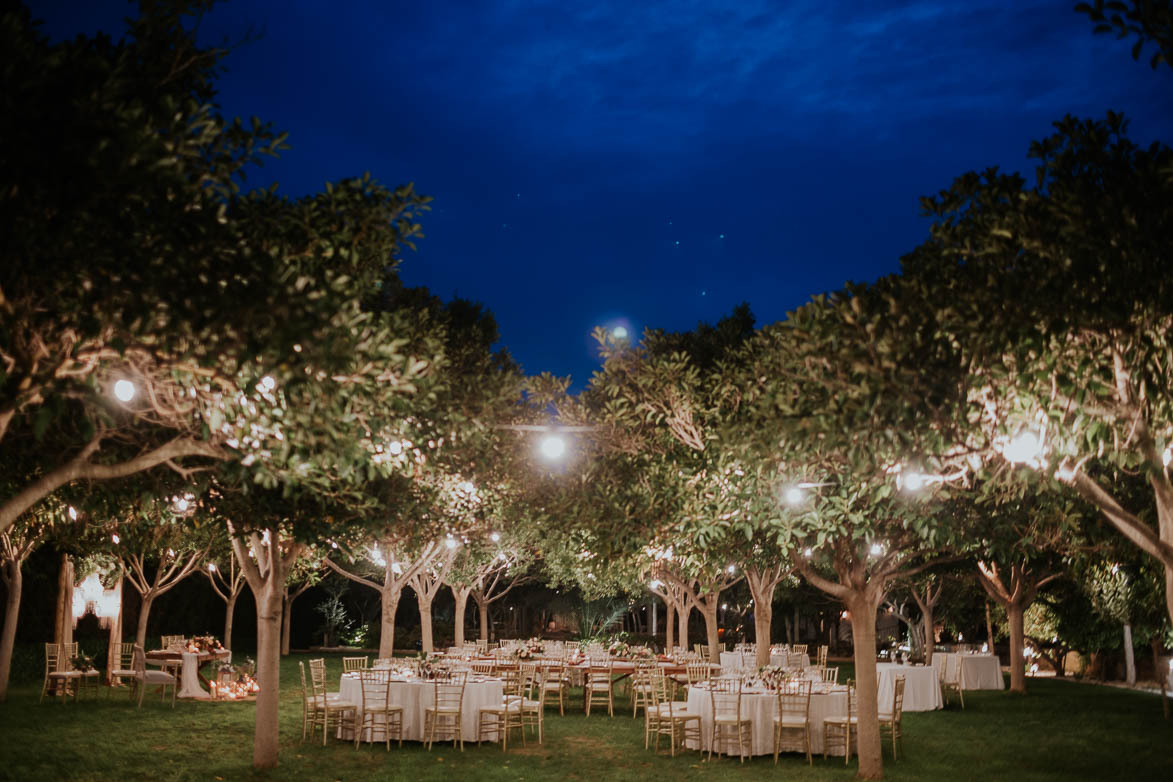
column 1059, row 731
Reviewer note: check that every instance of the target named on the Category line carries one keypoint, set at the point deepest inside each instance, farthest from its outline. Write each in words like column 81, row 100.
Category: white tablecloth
column 416, row 696
column 736, row 661
column 189, row 680
column 922, row 690
column 762, row 708
column 978, row 671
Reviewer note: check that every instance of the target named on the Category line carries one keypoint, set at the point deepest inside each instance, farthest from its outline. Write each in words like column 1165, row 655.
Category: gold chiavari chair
column 822, row 657
column 354, row 664
column 890, row 721
column 794, row 703
column 725, row 696
column 842, row 727
column 446, row 711
column 599, row 686
column 58, row 680
column 376, row 703
column 674, row 720
column 830, row 675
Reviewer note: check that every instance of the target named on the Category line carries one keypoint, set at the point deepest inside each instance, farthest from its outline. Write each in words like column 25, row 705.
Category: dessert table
column 192, row 682
column 922, row 686
column 416, row 695
column 761, row 706
column 978, row 671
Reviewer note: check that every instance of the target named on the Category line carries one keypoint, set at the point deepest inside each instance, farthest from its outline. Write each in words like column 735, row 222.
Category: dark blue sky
column 656, row 163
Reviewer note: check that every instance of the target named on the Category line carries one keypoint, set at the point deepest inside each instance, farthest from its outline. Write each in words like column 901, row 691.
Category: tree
column 227, row 584
column 303, row 574
column 16, row 543
column 1148, row 20
column 1075, row 381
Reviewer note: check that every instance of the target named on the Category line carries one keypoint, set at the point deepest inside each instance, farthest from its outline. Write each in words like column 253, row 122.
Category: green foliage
column 1147, row 20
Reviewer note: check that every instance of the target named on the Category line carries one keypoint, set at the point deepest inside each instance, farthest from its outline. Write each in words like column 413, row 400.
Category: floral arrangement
column 619, row 649
column 536, row 646
column 773, row 676
column 523, row 653
column 641, row 653
column 204, row 643
column 426, row 665
column 82, row 662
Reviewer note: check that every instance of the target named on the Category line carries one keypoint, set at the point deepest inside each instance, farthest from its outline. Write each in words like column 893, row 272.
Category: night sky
column 656, row 163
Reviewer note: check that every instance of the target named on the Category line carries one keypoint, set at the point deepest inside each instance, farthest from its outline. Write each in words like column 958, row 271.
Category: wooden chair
column 799, row 648
column 698, row 673
column 446, row 711
column 822, row 657
column 794, row 710
column 57, row 680
column 555, row 682
column 330, row 707
column 641, row 689
column 123, row 667
column 660, row 685
column 354, row 664
column 598, row 686
column 890, row 720
column 830, row 675
column 145, row 678
column 309, row 704
column 532, row 709
column 950, row 678
column 376, row 702
column 674, row 720
column 843, row 726
column 725, row 696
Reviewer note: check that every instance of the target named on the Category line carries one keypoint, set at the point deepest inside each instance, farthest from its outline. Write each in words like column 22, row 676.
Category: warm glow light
column 211, row 567
column 877, row 549
column 181, row 504
column 268, row 383
column 1026, row 447
column 553, row 447
column 794, row 496
column 1167, row 456
column 451, row 543
column 731, row 569
column 395, row 447
column 914, row 481
column 619, row 332
column 495, row 537
column 807, row 553
column 73, row 513
column 124, row 390
column 114, row 537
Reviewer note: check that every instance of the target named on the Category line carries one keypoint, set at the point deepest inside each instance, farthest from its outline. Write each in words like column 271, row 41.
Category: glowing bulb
column 807, row 553
column 395, row 447
column 1025, row 447
column 724, row 606
column 1167, row 456
column 115, row 538
column 211, row 567
column 619, row 332
column 877, row 549
column 553, row 447
column 914, row 481
column 268, row 383
column 731, row 569
column 73, row 513
column 124, row 390
column 466, row 487
column 794, row 496
column 495, row 537
column 181, row 504
column 451, row 543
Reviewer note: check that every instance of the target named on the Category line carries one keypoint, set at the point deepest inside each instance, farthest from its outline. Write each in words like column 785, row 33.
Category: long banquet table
column 761, row 706
column 416, row 695
column 922, row 687
column 736, row 661
column 978, row 671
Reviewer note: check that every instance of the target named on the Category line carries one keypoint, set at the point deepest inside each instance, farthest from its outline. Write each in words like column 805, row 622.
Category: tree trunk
column 114, row 639
column 863, row 634
column 1014, row 615
column 761, row 588
column 682, row 615
column 460, row 596
column 483, row 616
column 63, row 628
column 1129, row 656
column 669, row 627
column 229, row 611
column 144, row 613
column 387, row 633
column 712, row 637
column 269, row 604
column 1160, row 673
column 15, row 583
column 930, row 636
column 286, row 620
column 797, row 626
column 425, row 606
column 989, row 629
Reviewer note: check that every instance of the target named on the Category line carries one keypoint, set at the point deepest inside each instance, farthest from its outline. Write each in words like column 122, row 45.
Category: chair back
column 169, row 641
column 852, row 700
column 484, row 667
column 125, row 656
column 375, row 686
column 139, row 661
column 697, row 672
column 830, row 675
column 725, row 697
column 794, row 698
column 897, row 698
column 305, row 691
column 950, row 672
column 354, row 664
column 799, row 648
column 822, row 658
column 796, row 660
column 449, row 695
column 52, row 658
column 318, row 674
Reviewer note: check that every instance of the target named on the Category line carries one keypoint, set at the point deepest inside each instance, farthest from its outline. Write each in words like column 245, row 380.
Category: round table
column 736, row 661
column 761, row 706
column 416, row 695
column 922, row 688
column 978, row 671
column 191, row 680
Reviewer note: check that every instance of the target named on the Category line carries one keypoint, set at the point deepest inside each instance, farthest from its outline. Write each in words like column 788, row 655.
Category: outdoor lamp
column 124, row 390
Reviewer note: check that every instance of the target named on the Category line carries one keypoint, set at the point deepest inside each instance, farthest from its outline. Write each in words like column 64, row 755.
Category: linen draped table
column 978, row 671
column 736, row 661
column 190, row 684
column 761, row 706
column 416, row 695
column 922, row 687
